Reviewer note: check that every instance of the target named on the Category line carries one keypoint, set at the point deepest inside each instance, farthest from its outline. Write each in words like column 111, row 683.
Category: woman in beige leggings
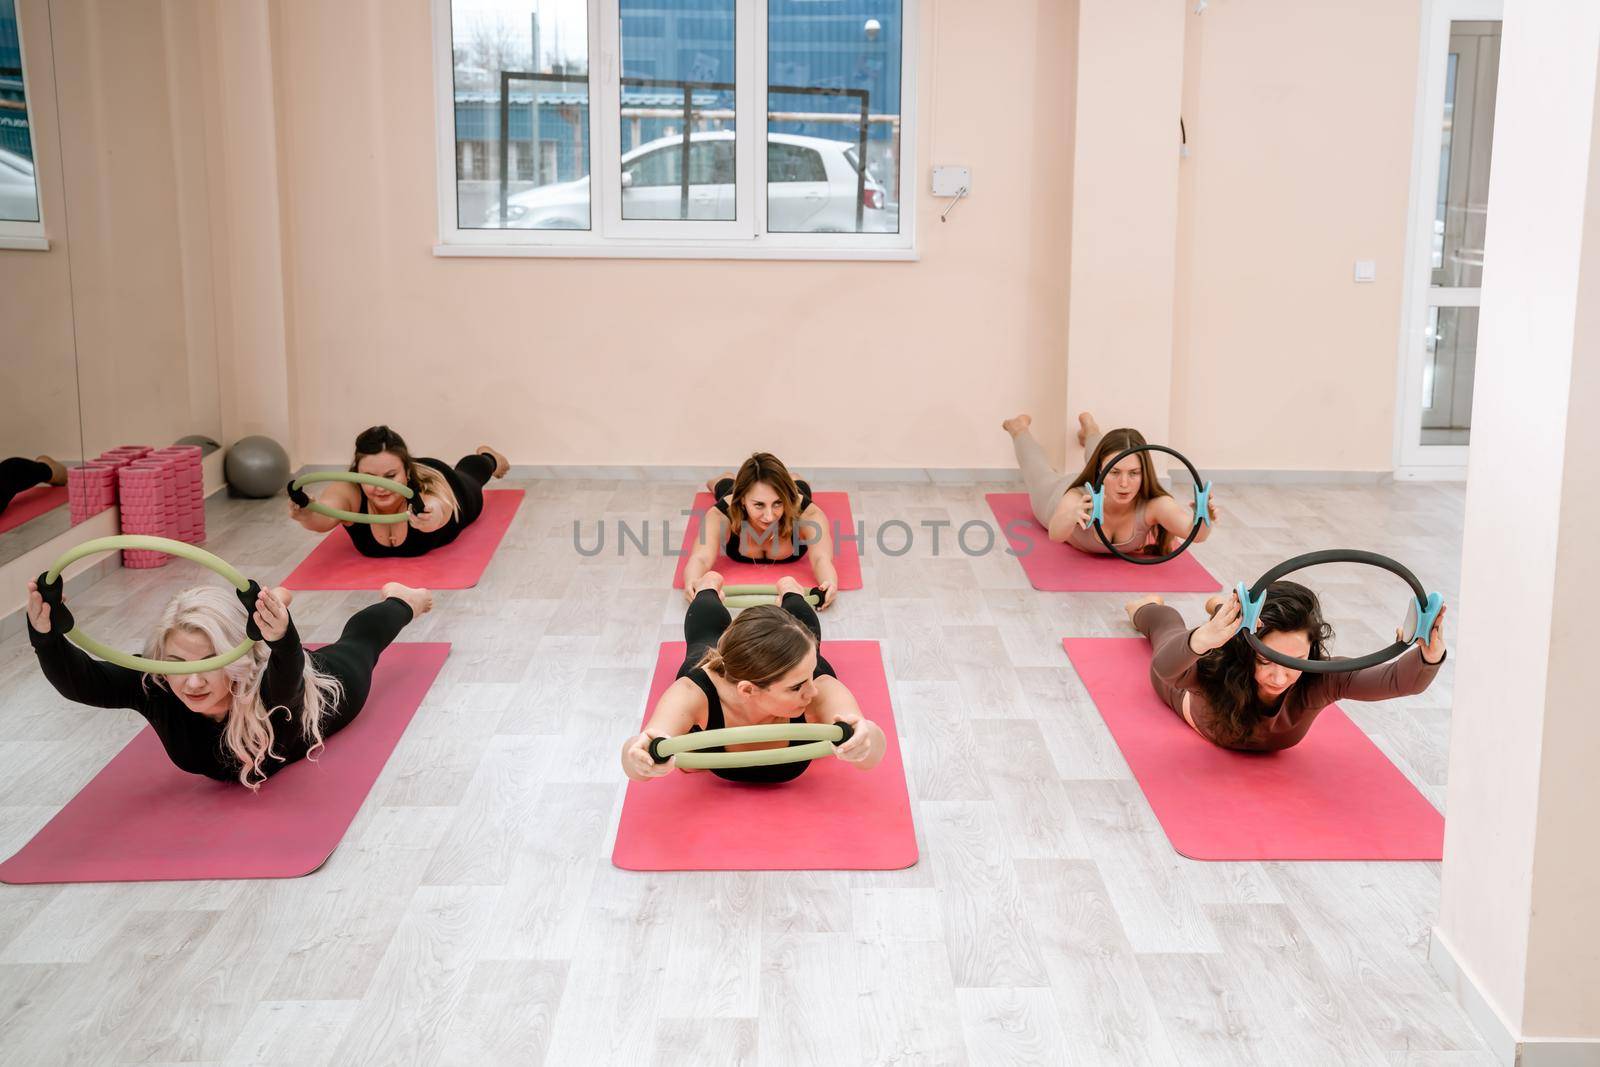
column 1138, row 514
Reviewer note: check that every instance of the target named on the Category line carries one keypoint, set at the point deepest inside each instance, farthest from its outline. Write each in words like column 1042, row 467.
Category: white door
column 1461, row 66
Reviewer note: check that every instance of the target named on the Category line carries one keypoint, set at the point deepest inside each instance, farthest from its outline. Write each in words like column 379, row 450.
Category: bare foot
column 1214, row 602
column 284, row 595
column 711, row 483
column 1132, row 607
column 787, row 584
column 501, row 464
column 1019, row 424
column 1087, row 427
column 419, row 600
column 58, row 473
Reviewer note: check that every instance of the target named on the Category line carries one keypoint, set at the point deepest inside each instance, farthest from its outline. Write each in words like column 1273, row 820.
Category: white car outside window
column 813, row 186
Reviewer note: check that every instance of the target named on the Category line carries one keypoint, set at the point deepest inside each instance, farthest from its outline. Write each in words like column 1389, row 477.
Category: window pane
column 677, row 90
column 834, row 93
column 19, row 194
column 1447, row 373
column 1472, row 70
column 522, row 113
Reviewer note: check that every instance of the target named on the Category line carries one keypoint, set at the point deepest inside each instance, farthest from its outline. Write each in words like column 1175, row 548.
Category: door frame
column 1412, row 459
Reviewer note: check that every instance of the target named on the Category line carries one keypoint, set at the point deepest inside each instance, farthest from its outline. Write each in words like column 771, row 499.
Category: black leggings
column 354, row 657
column 472, row 473
column 708, row 617
column 18, row 474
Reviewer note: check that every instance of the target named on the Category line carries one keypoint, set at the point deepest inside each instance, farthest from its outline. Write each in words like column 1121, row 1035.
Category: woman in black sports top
column 453, row 496
column 248, row 720
column 762, row 515
column 762, row 667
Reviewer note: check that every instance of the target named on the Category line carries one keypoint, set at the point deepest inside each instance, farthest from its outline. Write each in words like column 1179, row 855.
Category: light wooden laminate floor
column 472, row 914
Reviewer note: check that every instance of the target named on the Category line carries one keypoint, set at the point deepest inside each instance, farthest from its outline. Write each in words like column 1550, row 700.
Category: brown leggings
column 1162, row 625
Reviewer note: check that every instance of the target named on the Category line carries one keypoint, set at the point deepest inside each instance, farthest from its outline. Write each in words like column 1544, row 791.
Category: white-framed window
column 676, row 128
column 21, row 225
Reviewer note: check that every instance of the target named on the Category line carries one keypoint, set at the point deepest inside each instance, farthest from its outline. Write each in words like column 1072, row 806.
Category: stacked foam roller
column 159, row 491
column 143, row 498
column 188, row 498
column 92, row 487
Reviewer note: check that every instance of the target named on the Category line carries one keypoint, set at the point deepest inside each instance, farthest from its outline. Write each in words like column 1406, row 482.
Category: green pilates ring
column 358, row 478
column 753, row 596
column 687, row 746
column 142, row 542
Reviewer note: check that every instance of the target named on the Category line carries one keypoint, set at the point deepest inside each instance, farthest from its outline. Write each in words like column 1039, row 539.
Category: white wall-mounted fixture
column 952, row 182
column 1366, row 270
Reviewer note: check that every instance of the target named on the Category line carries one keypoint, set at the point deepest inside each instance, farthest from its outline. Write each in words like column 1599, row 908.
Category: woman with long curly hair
column 1139, row 515
column 1237, row 698
column 248, row 720
column 452, row 496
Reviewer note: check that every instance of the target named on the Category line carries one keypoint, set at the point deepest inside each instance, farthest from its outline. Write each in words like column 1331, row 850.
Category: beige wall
column 1125, row 212
column 38, row 374
column 136, row 189
column 660, row 362
column 125, row 291
column 1300, row 126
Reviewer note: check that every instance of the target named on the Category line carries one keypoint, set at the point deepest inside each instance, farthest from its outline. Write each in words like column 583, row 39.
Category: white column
column 1519, row 924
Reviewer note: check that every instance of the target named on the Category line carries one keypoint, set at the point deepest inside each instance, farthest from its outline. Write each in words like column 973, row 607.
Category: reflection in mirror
column 19, row 194
column 39, row 425
column 115, row 343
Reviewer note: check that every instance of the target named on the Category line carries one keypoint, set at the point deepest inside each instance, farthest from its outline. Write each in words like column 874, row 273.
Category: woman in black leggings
column 18, row 475
column 248, row 720
column 453, row 496
column 763, row 667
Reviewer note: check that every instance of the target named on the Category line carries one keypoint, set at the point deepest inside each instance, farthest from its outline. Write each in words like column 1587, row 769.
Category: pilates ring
column 61, row 620
column 298, row 495
column 1421, row 612
column 752, row 596
column 1097, row 498
column 823, row 736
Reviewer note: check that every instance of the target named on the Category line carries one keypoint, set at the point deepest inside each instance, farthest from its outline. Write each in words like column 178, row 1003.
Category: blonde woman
column 763, row 667
column 762, row 514
column 267, row 709
column 452, row 497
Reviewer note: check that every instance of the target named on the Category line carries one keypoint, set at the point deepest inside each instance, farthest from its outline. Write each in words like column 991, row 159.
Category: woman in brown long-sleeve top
column 1236, row 698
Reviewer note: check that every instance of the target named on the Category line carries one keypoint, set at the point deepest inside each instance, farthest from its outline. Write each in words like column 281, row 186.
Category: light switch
column 1366, row 270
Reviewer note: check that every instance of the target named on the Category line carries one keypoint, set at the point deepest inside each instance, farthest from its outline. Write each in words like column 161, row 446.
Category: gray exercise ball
column 207, row 445
column 256, row 466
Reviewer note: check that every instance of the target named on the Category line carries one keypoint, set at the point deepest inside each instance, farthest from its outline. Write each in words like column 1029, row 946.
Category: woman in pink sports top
column 1139, row 515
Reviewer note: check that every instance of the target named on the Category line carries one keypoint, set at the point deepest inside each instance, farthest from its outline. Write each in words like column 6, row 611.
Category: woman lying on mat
column 763, row 667
column 1140, row 515
column 18, row 474
column 763, row 515
column 453, row 496
column 273, row 706
column 1236, row 698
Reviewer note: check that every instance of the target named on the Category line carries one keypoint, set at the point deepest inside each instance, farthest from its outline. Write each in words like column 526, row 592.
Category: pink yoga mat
column 1058, row 568
column 335, row 564
column 30, row 504
column 832, row 818
column 1334, row 796
column 846, row 556
column 143, row 820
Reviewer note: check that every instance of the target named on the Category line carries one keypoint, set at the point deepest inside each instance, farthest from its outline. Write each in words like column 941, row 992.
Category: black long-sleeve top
column 193, row 741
